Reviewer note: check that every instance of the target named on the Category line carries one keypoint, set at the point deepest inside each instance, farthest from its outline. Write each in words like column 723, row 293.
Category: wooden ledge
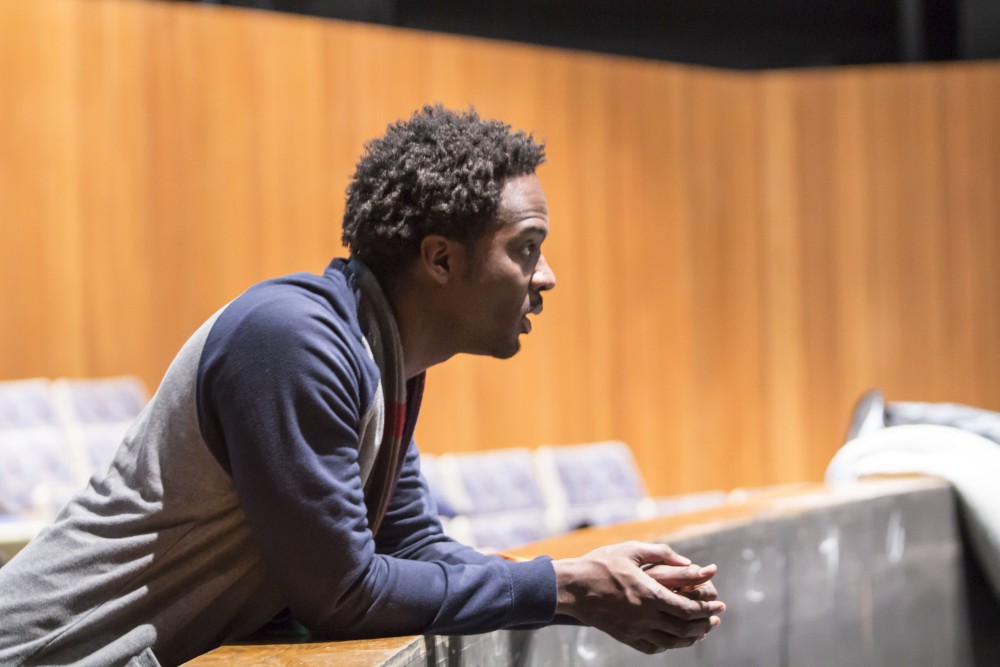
column 389, row 652
column 745, row 508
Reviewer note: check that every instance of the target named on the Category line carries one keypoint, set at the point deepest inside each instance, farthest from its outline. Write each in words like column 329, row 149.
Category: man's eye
column 529, row 249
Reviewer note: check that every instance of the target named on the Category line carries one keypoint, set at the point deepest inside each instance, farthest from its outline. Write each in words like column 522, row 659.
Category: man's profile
column 274, row 469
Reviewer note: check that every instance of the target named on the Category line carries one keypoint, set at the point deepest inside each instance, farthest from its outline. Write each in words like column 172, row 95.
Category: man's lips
column 536, row 309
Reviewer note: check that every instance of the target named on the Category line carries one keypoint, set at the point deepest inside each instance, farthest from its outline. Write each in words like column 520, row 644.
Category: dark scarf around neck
column 402, row 397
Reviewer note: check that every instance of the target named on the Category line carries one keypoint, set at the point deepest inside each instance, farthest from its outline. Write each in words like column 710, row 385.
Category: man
column 274, row 468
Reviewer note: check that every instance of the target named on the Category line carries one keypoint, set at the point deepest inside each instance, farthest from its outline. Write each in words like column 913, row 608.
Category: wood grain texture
column 739, row 256
column 389, row 652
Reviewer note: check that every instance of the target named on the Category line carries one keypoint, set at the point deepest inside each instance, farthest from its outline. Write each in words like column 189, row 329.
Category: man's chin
column 496, row 348
column 507, row 351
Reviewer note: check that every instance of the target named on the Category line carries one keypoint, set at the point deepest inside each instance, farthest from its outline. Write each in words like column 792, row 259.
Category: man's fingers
column 704, row 591
column 669, row 640
column 657, row 641
column 676, row 577
column 669, row 633
column 644, row 646
column 645, row 552
column 685, row 608
column 686, row 629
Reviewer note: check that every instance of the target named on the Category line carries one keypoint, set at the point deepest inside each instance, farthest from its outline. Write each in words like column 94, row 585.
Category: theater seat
column 595, row 484
column 53, row 436
column 499, row 499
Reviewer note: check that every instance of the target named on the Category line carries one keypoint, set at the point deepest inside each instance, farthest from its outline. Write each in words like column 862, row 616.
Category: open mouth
column 535, row 309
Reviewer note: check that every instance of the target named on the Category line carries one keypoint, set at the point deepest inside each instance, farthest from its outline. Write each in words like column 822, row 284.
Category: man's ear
column 437, row 257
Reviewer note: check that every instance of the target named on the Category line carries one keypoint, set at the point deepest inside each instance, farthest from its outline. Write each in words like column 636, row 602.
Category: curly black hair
column 440, row 172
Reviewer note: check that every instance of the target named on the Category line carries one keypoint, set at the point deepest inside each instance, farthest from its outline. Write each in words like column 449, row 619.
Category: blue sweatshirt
column 238, row 492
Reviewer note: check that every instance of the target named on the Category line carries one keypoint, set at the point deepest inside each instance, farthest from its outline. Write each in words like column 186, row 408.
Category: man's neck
column 419, row 334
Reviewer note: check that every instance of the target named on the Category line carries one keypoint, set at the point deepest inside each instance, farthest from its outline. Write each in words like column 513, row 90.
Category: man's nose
column 543, row 278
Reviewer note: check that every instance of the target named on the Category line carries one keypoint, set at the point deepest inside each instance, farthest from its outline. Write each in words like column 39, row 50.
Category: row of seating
column 54, row 434
column 504, row 498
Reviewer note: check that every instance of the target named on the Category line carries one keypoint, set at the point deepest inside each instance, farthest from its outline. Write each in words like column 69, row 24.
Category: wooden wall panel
column 738, row 256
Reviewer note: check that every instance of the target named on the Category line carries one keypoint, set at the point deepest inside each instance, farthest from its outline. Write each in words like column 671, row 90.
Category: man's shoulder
column 291, row 321
column 296, row 305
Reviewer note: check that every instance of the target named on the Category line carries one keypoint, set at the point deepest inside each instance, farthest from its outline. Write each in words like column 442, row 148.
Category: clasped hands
column 644, row 595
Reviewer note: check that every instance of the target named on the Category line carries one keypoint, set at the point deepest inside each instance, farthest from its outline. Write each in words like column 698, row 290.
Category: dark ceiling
column 740, row 34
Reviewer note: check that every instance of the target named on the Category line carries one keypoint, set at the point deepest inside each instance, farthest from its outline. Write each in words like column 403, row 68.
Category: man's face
column 508, row 272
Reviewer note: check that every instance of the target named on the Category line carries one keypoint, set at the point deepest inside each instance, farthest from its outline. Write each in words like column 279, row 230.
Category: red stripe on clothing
column 398, row 419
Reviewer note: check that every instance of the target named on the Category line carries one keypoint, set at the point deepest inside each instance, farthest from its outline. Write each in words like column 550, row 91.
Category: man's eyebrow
column 533, row 228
